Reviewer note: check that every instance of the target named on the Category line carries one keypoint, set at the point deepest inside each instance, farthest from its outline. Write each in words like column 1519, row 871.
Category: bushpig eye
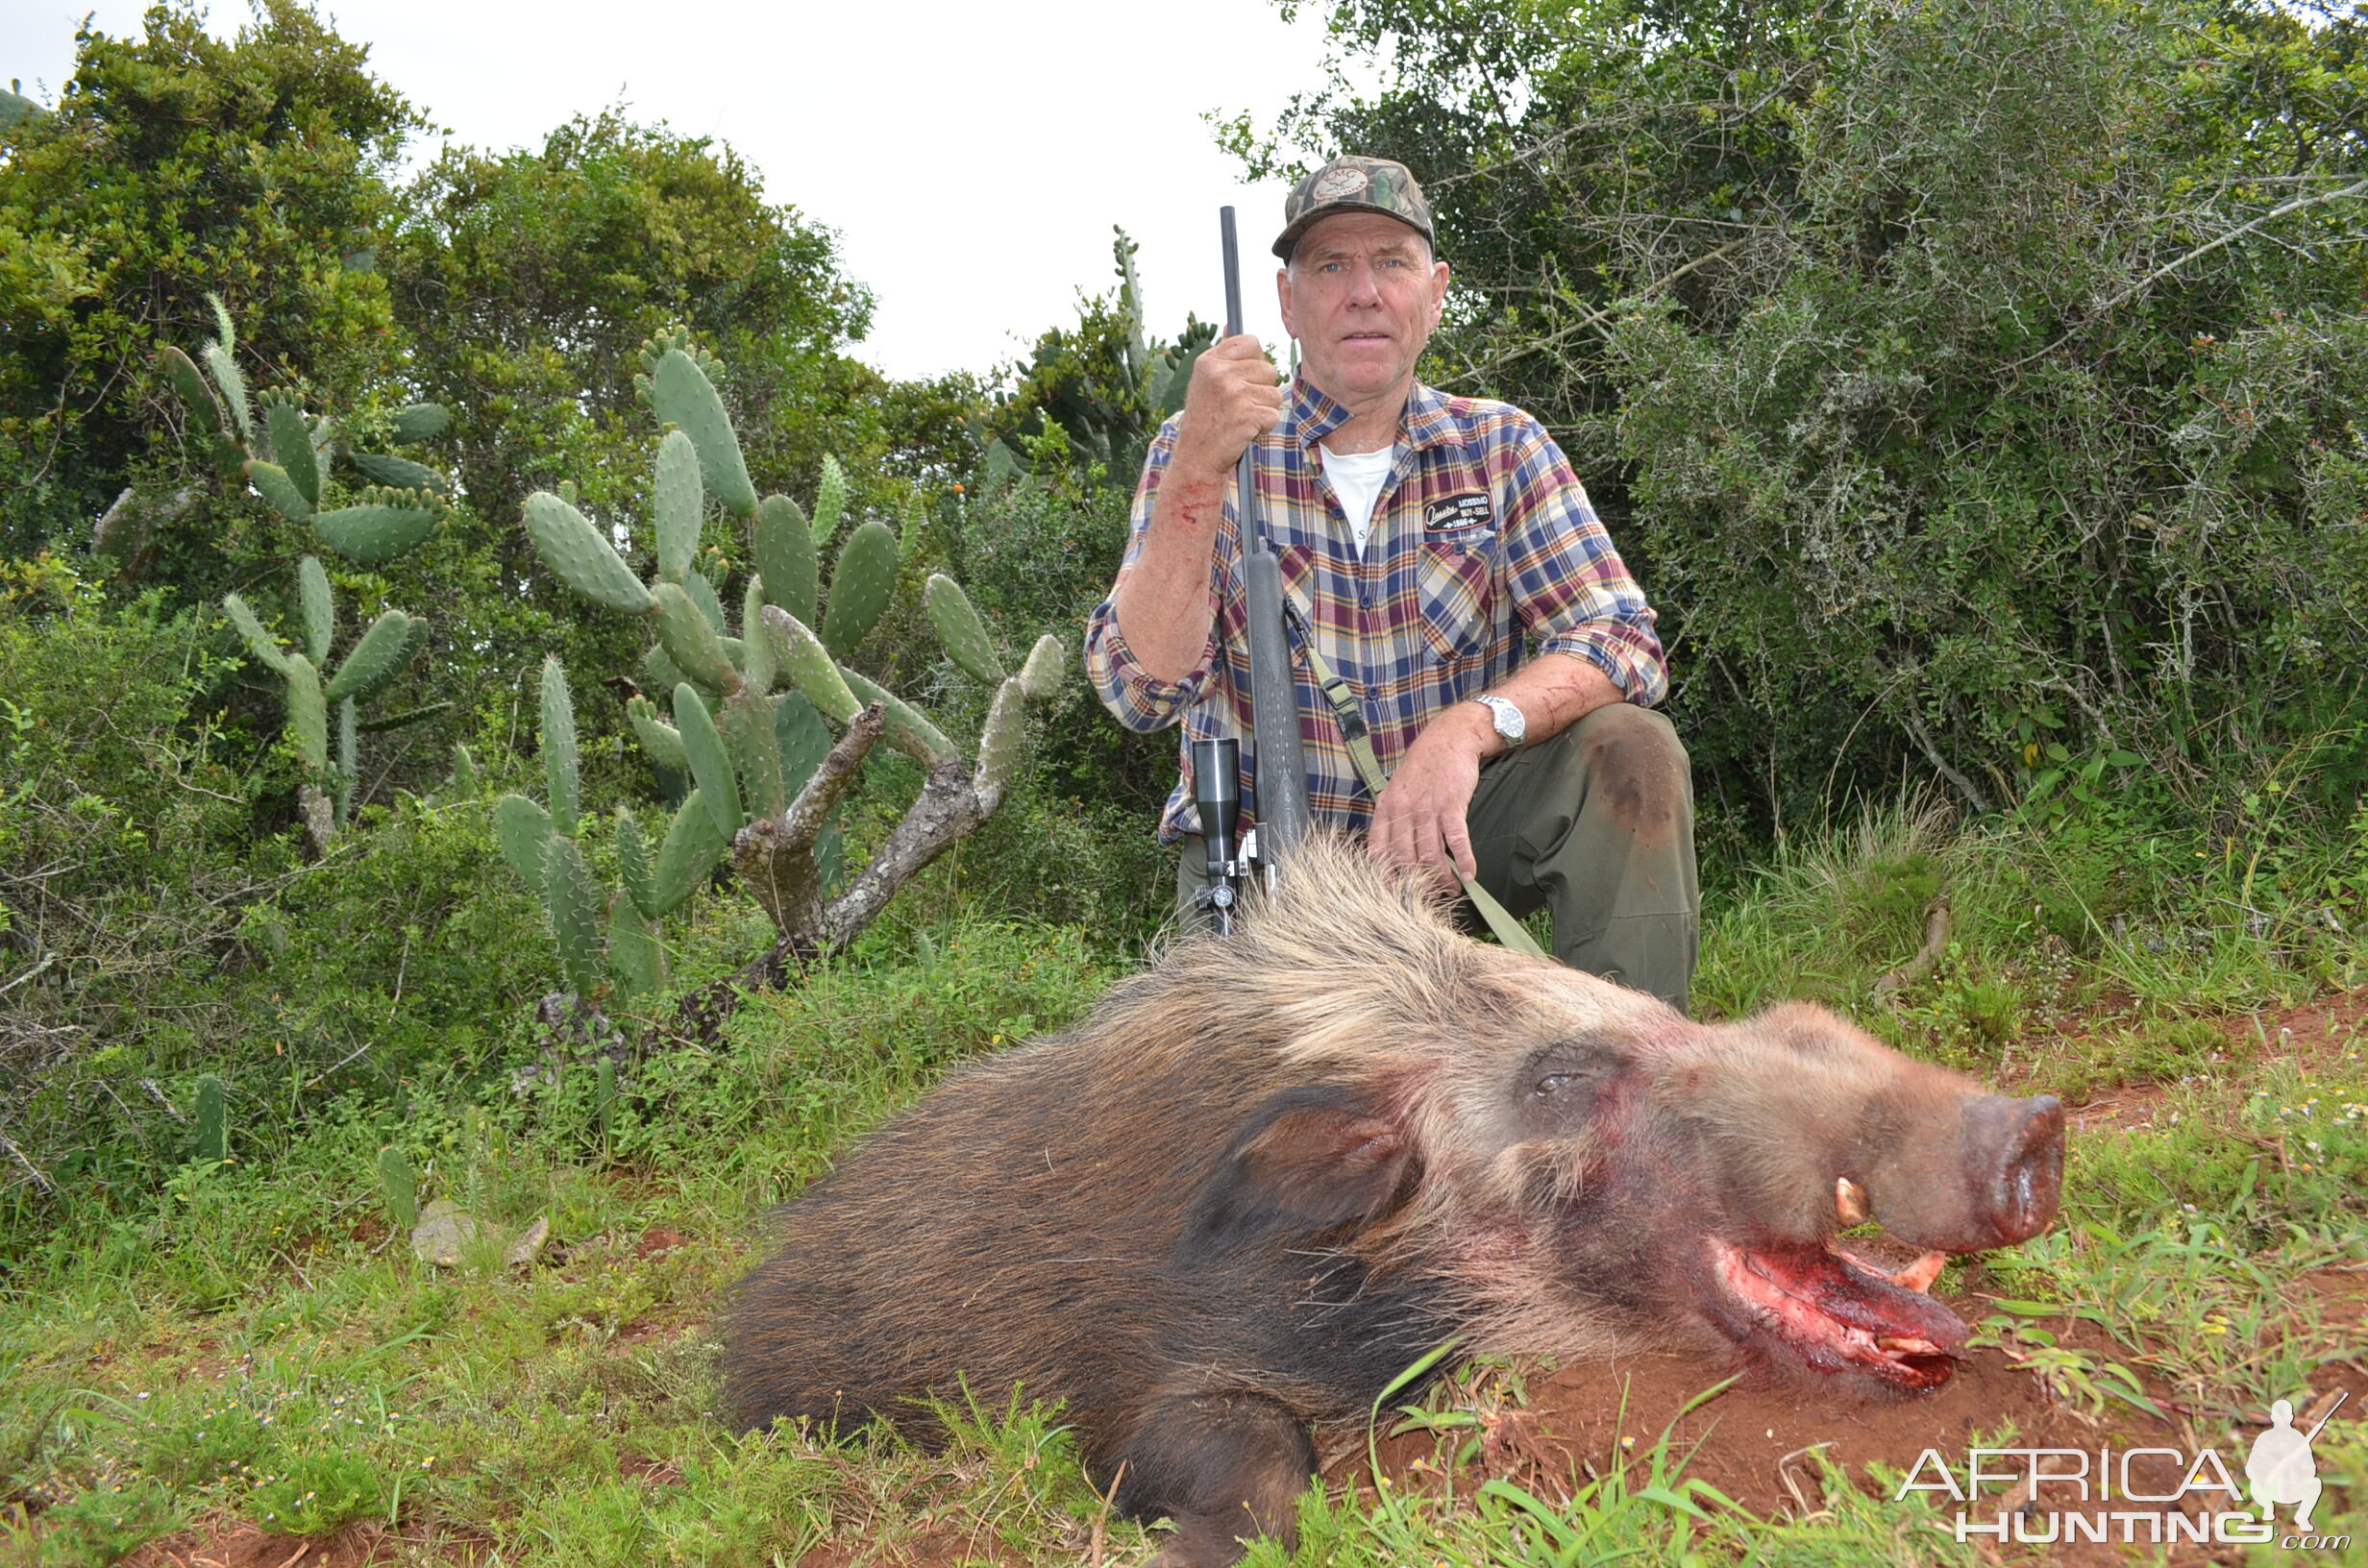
column 1565, row 1082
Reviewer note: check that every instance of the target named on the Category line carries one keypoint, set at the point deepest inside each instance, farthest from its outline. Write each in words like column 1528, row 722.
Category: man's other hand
column 1235, row 397
column 1418, row 821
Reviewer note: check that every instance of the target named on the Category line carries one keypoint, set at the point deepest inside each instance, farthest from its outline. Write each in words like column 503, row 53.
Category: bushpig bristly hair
column 1271, row 1170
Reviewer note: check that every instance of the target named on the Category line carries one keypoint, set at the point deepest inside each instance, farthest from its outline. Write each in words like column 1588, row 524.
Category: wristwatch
column 1511, row 728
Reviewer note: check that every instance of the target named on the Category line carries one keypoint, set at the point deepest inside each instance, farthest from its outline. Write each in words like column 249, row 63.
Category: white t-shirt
column 1357, row 478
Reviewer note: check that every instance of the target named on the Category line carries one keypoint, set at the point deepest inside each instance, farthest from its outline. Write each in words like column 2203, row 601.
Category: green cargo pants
column 1597, row 823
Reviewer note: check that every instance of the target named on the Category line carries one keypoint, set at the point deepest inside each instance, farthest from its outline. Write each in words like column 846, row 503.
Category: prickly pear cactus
column 765, row 773
column 370, row 665
column 607, row 938
column 290, row 458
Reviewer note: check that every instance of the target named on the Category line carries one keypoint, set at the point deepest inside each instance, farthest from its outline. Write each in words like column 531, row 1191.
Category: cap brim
column 1289, row 239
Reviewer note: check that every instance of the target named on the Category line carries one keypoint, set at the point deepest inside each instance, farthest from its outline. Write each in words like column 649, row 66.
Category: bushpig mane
column 1347, row 970
column 1351, row 974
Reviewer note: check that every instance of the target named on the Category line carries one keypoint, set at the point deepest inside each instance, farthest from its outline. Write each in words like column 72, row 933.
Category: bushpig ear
column 1309, row 1160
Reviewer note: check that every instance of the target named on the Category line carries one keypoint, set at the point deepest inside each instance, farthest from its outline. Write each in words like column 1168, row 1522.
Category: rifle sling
column 1349, row 714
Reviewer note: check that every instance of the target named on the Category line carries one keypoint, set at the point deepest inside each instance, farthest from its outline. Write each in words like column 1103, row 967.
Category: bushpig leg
column 1226, row 1468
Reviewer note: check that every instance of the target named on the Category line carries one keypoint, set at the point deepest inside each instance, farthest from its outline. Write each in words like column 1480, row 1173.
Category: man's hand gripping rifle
column 1278, row 768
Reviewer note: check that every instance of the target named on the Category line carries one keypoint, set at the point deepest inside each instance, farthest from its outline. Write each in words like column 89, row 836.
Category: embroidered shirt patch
column 1463, row 511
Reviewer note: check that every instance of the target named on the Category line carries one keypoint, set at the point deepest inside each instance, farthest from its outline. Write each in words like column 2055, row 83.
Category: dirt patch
column 641, row 1467
column 934, row 1549
column 232, row 1543
column 657, row 1240
column 1759, row 1441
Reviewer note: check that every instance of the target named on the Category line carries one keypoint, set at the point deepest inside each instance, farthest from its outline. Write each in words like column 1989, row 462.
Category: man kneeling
column 1430, row 541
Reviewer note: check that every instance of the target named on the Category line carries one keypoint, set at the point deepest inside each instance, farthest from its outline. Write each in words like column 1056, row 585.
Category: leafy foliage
column 1102, row 385
column 1964, row 382
column 175, row 165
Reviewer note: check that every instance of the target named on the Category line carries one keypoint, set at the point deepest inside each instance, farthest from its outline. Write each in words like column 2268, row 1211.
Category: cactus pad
column 660, row 742
column 214, row 1142
column 680, row 392
column 560, row 770
column 785, row 558
column 804, row 739
column 398, row 473
column 262, row 643
column 1047, row 662
column 757, row 665
column 804, row 659
column 349, row 761
column 963, row 635
column 1003, row 741
column 755, row 745
column 320, row 607
column 633, row 867
column 272, row 484
column 308, row 712
column 578, row 912
column 675, row 501
column 204, row 412
column 376, row 659
column 661, row 671
column 906, row 729
column 691, row 851
column 291, row 447
column 633, row 952
column 385, row 525
column 690, row 640
column 581, row 557
column 860, row 587
column 701, row 590
column 520, row 826
column 829, row 501
column 234, row 389
column 710, row 763
column 419, row 420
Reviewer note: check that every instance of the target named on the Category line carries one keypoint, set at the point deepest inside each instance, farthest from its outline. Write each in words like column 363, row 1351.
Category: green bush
column 1973, row 387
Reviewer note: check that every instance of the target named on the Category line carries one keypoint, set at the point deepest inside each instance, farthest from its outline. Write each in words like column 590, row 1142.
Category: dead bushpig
column 1269, row 1172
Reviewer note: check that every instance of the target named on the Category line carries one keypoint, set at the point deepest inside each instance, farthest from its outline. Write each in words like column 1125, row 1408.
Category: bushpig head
column 1641, row 1172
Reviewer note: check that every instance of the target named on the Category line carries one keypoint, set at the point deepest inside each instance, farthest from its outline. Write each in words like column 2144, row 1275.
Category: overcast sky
column 971, row 156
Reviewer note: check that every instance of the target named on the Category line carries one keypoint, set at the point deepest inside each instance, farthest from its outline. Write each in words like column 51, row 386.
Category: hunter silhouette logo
column 2281, row 1467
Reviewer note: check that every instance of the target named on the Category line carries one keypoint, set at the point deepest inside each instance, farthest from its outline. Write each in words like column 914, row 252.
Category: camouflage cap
column 1355, row 184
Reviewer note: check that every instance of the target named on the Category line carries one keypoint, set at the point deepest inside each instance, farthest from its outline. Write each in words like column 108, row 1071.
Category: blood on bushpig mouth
column 1834, row 1313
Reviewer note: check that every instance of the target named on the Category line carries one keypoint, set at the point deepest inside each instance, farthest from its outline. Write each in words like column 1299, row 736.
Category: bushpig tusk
column 1920, row 1274
column 1849, row 1201
column 1909, row 1347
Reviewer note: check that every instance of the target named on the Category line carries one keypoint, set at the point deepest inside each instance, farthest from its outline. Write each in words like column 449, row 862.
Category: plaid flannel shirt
column 1482, row 542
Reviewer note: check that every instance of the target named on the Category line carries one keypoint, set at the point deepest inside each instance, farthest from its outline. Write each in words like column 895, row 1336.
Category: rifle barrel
column 1233, row 273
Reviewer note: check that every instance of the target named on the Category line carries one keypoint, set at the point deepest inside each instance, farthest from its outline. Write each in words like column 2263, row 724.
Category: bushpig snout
column 2005, row 1187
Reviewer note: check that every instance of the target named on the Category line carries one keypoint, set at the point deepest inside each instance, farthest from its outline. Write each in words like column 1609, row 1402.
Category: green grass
column 256, row 1341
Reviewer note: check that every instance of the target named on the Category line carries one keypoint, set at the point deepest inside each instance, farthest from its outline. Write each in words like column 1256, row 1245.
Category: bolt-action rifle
column 1278, row 768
